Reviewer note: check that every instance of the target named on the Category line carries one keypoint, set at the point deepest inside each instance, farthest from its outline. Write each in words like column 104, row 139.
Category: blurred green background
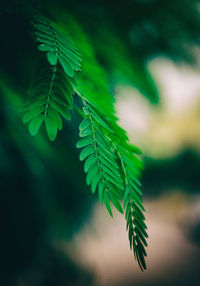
column 53, row 231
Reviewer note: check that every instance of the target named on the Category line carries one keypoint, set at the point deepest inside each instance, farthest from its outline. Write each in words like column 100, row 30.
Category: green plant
column 112, row 166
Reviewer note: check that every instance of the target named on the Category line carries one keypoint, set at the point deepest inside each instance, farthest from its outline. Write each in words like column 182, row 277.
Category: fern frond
column 52, row 86
column 56, row 46
column 112, row 166
column 134, row 209
column 50, row 94
column 109, row 163
column 100, row 158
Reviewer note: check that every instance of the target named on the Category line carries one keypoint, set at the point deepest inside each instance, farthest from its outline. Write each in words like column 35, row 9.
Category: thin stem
column 50, row 89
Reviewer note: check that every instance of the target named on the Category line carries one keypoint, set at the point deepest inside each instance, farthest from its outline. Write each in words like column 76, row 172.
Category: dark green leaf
column 34, row 125
column 116, row 203
column 107, row 203
column 51, row 127
column 86, row 152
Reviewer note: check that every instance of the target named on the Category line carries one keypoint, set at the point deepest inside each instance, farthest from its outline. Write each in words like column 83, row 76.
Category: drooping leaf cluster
column 111, row 165
column 101, row 161
column 134, row 209
column 57, row 47
column 53, row 84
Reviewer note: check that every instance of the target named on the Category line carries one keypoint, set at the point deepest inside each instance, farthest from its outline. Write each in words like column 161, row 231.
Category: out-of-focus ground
column 173, row 217
column 102, row 246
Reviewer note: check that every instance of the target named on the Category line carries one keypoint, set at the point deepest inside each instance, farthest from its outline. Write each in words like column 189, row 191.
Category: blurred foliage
column 172, row 173
column 43, row 191
column 41, row 198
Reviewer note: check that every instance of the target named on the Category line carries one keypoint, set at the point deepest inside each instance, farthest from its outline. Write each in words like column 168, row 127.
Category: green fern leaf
column 109, row 163
column 56, row 46
column 48, row 102
column 100, row 158
column 133, row 206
